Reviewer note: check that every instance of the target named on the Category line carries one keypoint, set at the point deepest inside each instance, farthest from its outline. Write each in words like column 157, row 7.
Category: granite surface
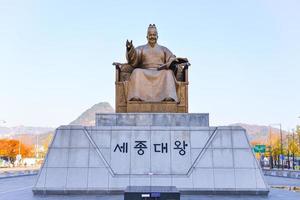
column 152, row 119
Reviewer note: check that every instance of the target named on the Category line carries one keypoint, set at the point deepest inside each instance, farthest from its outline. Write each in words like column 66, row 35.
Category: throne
column 123, row 72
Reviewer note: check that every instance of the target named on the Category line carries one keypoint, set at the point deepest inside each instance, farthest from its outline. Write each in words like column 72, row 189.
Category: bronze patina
column 153, row 75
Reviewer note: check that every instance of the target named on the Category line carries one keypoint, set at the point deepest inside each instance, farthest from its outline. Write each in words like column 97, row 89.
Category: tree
column 45, row 145
column 298, row 136
column 10, row 149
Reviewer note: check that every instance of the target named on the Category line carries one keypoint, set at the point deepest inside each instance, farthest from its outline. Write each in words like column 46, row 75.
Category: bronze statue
column 152, row 75
column 152, row 79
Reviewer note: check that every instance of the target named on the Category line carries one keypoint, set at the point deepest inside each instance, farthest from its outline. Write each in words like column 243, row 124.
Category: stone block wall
column 107, row 159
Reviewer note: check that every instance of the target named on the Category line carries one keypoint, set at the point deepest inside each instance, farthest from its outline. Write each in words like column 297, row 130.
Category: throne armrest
column 123, row 71
column 181, row 72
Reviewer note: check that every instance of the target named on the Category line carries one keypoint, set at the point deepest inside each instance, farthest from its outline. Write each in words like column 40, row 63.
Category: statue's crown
column 152, row 26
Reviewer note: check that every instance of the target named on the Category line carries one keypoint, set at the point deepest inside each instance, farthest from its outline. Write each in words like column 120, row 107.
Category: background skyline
column 55, row 57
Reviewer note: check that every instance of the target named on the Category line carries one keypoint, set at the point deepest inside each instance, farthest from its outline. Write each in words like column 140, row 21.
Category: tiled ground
column 20, row 188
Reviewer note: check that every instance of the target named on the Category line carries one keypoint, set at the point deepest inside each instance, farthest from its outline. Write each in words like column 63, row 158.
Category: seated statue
column 152, row 78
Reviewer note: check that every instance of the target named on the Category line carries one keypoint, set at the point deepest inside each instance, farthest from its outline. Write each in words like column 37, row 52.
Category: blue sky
column 55, row 56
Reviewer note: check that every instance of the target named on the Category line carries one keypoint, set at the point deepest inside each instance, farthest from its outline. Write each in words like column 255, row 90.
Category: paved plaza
column 20, row 188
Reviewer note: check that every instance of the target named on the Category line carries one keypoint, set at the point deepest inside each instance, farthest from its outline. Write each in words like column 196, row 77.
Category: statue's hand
column 129, row 44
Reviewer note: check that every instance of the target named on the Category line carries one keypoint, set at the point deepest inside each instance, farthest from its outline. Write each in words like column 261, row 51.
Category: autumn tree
column 298, row 137
column 45, row 144
column 10, row 149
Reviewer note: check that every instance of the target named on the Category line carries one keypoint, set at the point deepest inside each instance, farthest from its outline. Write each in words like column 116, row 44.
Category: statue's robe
column 146, row 82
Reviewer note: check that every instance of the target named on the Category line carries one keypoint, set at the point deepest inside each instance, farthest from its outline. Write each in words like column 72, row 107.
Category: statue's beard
column 152, row 42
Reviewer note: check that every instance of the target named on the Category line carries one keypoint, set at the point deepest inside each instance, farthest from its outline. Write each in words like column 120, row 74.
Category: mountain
column 259, row 132
column 87, row 118
column 23, row 130
column 33, row 139
column 29, row 134
column 42, row 135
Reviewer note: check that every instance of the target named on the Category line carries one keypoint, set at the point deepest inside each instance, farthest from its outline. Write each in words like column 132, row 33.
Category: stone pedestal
column 143, row 149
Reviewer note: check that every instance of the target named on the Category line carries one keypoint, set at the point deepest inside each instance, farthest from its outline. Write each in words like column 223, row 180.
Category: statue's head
column 152, row 35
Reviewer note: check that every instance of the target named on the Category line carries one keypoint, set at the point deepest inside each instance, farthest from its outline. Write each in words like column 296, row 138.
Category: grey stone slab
column 163, row 120
column 126, row 120
column 77, row 178
column 260, row 183
column 245, row 178
column 140, row 128
column 222, row 158
column 225, row 127
column 41, row 178
column 74, row 127
column 236, row 128
column 67, row 127
column 140, row 181
column 143, row 119
column 161, row 181
column 120, row 151
column 199, row 138
column 152, row 119
column 205, row 160
column 179, row 128
column 56, row 178
column 101, row 137
column 61, row 138
column 203, row 178
column 180, row 158
column 224, row 178
column 118, row 183
column 162, row 128
column 95, row 160
column 222, row 139
column 78, row 157
column 202, row 128
column 106, row 119
column 102, row 128
column 198, row 119
column 57, row 157
column 243, row 158
column 140, row 158
column 78, row 139
column 181, row 119
column 98, row 178
column 162, row 156
column 182, row 182
column 239, row 139
column 222, row 167
column 121, row 128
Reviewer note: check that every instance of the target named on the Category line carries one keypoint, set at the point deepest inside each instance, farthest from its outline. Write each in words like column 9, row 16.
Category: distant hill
column 259, row 132
column 31, row 135
column 23, row 130
column 87, row 118
column 33, row 139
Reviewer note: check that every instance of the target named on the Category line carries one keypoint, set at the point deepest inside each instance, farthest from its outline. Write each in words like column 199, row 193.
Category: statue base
column 150, row 149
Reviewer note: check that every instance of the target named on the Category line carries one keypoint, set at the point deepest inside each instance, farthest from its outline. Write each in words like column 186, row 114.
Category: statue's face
column 152, row 36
